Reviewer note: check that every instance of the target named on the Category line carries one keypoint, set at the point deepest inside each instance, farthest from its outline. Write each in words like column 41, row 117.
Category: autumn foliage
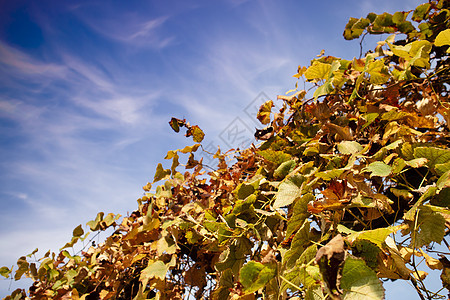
column 348, row 186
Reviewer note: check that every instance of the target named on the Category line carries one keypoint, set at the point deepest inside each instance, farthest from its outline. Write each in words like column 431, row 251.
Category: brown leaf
column 331, row 260
column 343, row 132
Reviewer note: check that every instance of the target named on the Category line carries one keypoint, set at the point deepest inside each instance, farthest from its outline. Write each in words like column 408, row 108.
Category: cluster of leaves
column 316, row 211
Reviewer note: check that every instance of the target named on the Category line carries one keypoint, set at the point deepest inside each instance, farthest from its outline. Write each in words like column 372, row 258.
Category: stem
column 414, row 283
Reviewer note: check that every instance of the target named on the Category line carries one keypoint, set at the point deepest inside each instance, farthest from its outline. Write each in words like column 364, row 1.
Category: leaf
column 330, row 174
column 4, row 271
column 417, row 162
column 359, row 281
column 379, row 168
column 432, row 263
column 355, row 27
column 234, row 256
column 288, row 191
column 77, row 232
column 330, row 259
column 189, row 149
column 264, row 112
column 275, row 157
column 299, row 214
column 109, row 220
column 434, row 155
column 442, row 168
column 176, row 124
column 367, row 251
column 420, row 12
column 71, row 243
column 243, row 190
column 431, row 228
column 154, row 269
column 370, row 118
column 284, row 169
column 443, row 38
column 161, row 173
column 95, row 224
column 411, row 213
column 377, row 236
column 318, row 70
column 343, row 132
column 299, row 243
column 226, row 282
column 378, row 72
column 444, row 181
column 254, row 275
column 196, row 133
column 349, row 147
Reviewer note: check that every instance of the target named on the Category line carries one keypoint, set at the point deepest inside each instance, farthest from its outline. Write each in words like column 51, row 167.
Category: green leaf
column 284, row 169
column 234, row 256
column 431, row 228
column 370, row 118
column 435, row 156
column 176, row 124
column 255, row 275
column 444, row 181
column 349, row 147
column 77, row 232
column 275, row 157
column 299, row 214
column 4, row 271
column 299, row 274
column 355, row 27
column 359, row 281
column 288, row 191
column 411, row 213
column 379, row 168
column 420, row 12
column 298, row 245
column 330, row 174
column 95, row 224
column 378, row 72
column 226, row 283
column 161, row 173
column 376, row 236
column 243, row 190
column 154, row 269
column 442, row 168
column 367, row 251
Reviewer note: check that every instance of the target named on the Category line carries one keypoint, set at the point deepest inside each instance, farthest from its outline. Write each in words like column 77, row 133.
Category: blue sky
column 87, row 89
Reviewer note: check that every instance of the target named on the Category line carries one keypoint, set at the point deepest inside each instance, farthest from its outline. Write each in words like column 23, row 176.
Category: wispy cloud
column 129, row 27
column 21, row 63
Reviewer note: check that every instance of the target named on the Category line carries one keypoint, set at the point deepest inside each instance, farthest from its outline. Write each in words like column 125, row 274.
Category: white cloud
column 132, row 28
column 20, row 62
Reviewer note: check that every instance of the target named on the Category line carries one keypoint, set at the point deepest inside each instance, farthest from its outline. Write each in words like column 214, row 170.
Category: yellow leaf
column 432, row 263
column 318, row 70
column 420, row 275
column 443, row 38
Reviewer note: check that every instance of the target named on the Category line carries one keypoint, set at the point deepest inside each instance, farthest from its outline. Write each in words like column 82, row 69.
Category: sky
column 87, row 89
